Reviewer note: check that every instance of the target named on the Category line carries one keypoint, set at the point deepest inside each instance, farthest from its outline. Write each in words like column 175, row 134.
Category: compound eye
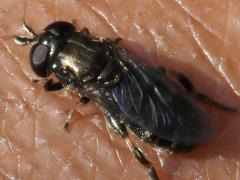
column 39, row 59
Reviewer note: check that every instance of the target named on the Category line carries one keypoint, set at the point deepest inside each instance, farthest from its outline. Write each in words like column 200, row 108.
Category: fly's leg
column 175, row 147
column 23, row 40
column 29, row 30
column 116, row 125
column 140, row 157
column 83, row 100
column 52, row 86
column 49, row 85
column 206, row 99
column 187, row 84
column 117, row 40
column 120, row 128
column 85, row 31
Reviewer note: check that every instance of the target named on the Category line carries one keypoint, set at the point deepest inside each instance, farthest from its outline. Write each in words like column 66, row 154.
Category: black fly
column 145, row 99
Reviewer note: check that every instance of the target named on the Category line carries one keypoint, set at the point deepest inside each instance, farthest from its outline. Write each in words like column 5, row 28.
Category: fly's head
column 45, row 45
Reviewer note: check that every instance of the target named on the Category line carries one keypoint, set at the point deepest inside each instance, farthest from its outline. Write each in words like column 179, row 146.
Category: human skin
column 197, row 38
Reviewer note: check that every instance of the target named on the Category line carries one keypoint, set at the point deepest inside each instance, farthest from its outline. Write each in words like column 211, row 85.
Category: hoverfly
column 132, row 94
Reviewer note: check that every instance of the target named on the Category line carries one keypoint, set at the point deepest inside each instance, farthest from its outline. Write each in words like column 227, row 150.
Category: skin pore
column 199, row 39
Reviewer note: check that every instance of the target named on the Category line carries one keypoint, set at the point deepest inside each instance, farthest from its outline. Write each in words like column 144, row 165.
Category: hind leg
column 120, row 128
column 140, row 157
column 187, row 84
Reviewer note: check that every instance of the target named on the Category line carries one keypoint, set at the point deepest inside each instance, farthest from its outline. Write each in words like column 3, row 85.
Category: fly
column 147, row 100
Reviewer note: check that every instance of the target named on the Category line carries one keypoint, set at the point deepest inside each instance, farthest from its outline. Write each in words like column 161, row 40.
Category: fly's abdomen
column 160, row 107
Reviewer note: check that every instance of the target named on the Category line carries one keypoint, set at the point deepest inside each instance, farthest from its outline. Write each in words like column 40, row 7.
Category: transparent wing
column 148, row 98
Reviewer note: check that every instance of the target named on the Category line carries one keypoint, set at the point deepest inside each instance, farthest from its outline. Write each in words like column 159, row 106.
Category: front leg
column 52, row 86
column 49, row 85
column 23, row 40
column 29, row 30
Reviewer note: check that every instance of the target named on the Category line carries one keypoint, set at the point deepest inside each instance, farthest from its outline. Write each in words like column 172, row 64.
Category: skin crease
column 197, row 38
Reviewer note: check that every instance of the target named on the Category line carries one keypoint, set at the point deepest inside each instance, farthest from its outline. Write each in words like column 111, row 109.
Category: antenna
column 24, row 40
column 27, row 28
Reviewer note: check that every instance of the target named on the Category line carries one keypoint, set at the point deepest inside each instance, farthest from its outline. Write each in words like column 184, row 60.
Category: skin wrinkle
column 160, row 156
column 225, row 165
column 166, row 41
column 138, row 27
column 35, row 140
column 223, row 74
column 111, row 138
column 135, row 19
column 35, row 110
column 154, row 35
column 127, row 167
column 18, row 167
column 86, row 156
column 205, row 171
column 161, row 41
column 207, row 174
column 3, row 121
column 97, row 162
column 195, row 36
column 229, row 81
column 225, row 168
column 12, row 56
column 226, row 37
column 237, row 170
column 119, row 159
column 95, row 169
column 179, row 2
column 104, row 18
column 113, row 15
column 7, row 175
column 56, row 10
column 157, row 39
column 9, row 144
column 70, row 157
column 18, row 64
column 226, row 43
column 226, row 129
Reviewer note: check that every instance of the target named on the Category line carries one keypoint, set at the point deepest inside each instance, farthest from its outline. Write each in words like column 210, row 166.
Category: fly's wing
column 148, row 98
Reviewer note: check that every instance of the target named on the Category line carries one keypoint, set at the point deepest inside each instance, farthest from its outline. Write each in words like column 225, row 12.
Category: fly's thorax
column 77, row 61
